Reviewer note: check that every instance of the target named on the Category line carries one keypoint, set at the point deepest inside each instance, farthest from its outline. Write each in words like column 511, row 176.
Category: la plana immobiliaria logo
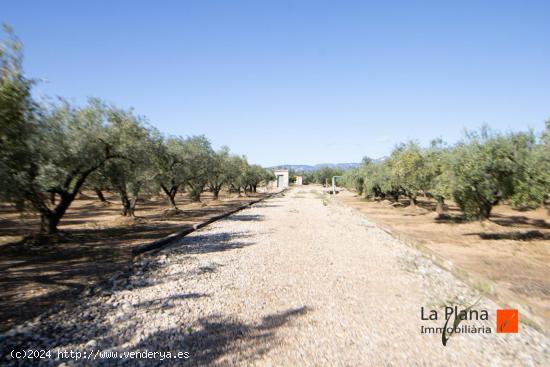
column 507, row 321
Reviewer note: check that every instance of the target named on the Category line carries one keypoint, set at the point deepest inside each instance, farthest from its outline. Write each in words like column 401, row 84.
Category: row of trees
column 49, row 153
column 482, row 170
column 322, row 175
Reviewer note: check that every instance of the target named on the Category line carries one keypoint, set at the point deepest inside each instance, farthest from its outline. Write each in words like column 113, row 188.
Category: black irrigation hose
column 158, row 244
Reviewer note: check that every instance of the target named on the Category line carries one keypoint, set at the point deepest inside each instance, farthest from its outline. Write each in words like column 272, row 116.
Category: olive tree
column 407, row 167
column 68, row 145
column 168, row 160
column 98, row 184
column 545, row 158
column 324, row 174
column 219, row 171
column 48, row 152
column 379, row 181
column 197, row 161
column 255, row 175
column 267, row 176
column 354, row 179
column 19, row 125
column 485, row 168
column 438, row 177
column 531, row 178
column 238, row 173
column 134, row 173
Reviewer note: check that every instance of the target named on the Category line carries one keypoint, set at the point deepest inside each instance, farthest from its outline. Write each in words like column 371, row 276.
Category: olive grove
column 52, row 151
column 483, row 169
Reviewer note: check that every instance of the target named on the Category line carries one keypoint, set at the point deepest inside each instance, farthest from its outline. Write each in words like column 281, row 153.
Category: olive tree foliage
column 354, row 178
column 545, row 140
column 408, row 170
column 438, row 178
column 198, row 155
column 544, row 156
column 531, row 179
column 544, row 152
column 167, row 157
column 237, row 179
column 489, row 168
column 324, row 175
column 378, row 181
column 134, row 173
column 219, row 172
column 19, row 124
column 50, row 152
column 480, row 171
column 255, row 175
column 98, row 184
column 267, row 176
column 68, row 145
column 47, row 152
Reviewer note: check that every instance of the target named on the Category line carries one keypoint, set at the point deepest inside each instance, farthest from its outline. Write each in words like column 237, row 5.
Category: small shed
column 299, row 180
column 281, row 179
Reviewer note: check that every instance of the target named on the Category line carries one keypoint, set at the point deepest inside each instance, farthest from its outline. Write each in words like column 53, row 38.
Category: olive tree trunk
column 171, row 195
column 195, row 192
column 128, row 206
column 49, row 219
column 100, row 195
column 440, row 206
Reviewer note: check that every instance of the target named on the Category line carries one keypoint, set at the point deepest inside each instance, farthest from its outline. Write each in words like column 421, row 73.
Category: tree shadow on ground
column 451, row 219
column 212, row 340
column 58, row 273
column 215, row 340
column 38, row 275
column 211, row 242
column 221, row 340
column 453, row 214
column 94, row 320
column 516, row 236
column 519, row 221
column 514, row 221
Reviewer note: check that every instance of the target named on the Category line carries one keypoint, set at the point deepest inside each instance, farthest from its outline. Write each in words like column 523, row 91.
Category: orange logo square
column 507, row 321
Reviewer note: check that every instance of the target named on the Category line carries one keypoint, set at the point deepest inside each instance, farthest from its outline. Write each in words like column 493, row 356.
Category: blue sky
column 298, row 81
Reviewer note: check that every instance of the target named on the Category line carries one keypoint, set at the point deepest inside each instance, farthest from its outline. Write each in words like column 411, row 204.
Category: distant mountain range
column 308, row 168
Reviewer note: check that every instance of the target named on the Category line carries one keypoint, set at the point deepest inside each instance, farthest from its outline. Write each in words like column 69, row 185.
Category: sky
column 297, row 82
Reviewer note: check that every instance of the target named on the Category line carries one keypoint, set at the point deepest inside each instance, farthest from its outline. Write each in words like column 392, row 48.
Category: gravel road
column 296, row 280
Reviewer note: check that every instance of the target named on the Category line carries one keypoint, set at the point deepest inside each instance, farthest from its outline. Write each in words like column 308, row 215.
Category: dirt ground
column 507, row 256
column 98, row 242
